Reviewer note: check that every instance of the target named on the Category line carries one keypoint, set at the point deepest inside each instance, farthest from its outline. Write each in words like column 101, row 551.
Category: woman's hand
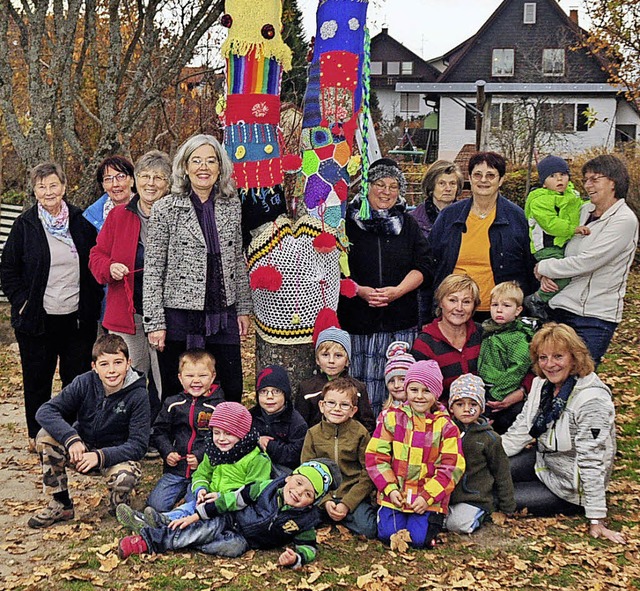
column 509, row 400
column 375, row 297
column 548, row 285
column 243, row 324
column 118, row 271
column 600, row 530
column 157, row 339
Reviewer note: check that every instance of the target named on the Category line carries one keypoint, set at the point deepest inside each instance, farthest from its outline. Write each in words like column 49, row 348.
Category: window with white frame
column 502, row 62
column 393, row 68
column 407, row 68
column 529, row 17
column 409, row 102
column 553, row 62
column 376, row 68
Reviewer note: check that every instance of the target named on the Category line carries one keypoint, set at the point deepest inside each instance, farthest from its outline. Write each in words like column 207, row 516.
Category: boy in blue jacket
column 98, row 424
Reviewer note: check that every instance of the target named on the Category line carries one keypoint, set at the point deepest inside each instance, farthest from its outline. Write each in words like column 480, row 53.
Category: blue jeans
column 211, row 536
column 595, row 333
column 362, row 521
column 168, row 491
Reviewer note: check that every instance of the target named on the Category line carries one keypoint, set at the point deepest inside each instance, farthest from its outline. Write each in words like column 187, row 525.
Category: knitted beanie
column 467, row 386
column 231, row 417
column 550, row 165
column 399, row 360
column 274, row 376
column 427, row 373
column 336, row 335
column 323, row 474
column 385, row 168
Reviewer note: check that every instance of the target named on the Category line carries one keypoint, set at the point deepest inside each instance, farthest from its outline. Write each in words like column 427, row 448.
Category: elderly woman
column 388, row 259
column 196, row 286
column 55, row 301
column 453, row 338
column 485, row 237
column 441, row 186
column 115, row 176
column 598, row 264
column 569, row 416
column 117, row 260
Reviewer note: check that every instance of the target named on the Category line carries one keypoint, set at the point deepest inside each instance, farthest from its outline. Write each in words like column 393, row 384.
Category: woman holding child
column 570, row 417
column 196, row 286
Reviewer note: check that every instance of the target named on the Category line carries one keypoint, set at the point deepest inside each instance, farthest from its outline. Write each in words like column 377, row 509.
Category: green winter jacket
column 504, row 355
column 553, row 217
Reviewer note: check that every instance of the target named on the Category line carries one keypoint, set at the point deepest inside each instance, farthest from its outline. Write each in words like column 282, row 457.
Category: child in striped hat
column 398, row 362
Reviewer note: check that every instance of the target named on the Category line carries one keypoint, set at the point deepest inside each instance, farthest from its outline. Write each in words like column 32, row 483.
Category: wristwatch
column 595, row 521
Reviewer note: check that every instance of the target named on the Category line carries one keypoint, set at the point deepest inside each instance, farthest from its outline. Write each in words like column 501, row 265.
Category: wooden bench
column 8, row 215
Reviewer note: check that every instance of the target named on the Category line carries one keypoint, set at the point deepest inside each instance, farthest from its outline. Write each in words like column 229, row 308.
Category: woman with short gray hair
column 196, row 285
column 117, row 260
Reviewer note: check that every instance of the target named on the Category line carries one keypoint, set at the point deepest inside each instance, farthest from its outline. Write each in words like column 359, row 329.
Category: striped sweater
column 417, row 455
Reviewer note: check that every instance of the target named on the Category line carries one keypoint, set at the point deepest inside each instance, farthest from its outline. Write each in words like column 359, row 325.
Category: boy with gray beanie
column 553, row 213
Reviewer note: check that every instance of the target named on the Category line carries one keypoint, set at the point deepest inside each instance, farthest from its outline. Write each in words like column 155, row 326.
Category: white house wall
column 389, row 101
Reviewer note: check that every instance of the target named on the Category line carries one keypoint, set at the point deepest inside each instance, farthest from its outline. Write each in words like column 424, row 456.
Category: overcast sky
column 428, row 27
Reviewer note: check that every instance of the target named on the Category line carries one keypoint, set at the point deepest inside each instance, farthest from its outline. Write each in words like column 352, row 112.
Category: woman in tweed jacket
column 196, row 286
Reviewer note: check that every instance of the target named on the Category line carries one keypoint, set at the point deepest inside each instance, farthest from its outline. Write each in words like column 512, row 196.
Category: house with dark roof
column 528, row 61
column 393, row 63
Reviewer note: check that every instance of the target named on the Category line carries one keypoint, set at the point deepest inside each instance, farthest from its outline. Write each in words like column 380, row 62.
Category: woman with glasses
column 55, row 301
column 117, row 260
column 196, row 285
column 484, row 237
column 388, row 260
column 598, row 264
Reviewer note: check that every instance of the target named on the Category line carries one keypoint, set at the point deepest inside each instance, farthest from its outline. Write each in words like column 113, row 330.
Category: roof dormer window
column 502, row 62
column 529, row 17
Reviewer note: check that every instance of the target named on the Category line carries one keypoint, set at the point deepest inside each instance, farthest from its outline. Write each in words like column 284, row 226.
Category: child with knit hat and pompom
column 232, row 460
column 553, row 213
column 261, row 515
column 487, row 477
column 399, row 360
column 415, row 459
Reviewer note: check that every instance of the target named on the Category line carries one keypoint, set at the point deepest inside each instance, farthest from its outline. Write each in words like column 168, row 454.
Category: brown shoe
column 31, row 447
column 52, row 513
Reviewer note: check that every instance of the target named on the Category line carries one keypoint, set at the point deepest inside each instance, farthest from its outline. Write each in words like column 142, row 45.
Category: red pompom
column 291, row 163
column 326, row 318
column 324, row 242
column 348, row 288
column 266, row 277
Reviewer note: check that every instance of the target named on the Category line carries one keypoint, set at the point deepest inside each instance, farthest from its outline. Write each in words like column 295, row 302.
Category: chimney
column 385, row 30
column 573, row 14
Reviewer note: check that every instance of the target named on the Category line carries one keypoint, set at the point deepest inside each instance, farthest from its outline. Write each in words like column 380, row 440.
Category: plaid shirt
column 417, row 455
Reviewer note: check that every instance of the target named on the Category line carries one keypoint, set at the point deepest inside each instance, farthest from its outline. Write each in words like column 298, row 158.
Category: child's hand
column 419, row 505
column 76, row 451
column 88, row 461
column 582, row 230
column 337, row 511
column 173, row 458
column 211, row 497
column 201, row 496
column 184, row 521
column 397, row 498
column 288, row 558
column 192, row 461
column 264, row 441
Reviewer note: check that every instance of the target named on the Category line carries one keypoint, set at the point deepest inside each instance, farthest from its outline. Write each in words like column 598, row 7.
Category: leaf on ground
column 400, row 540
column 108, row 563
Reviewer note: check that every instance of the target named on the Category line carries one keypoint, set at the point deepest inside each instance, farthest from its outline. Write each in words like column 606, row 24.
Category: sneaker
column 152, row 453
column 132, row 545
column 130, row 518
column 536, row 307
column 52, row 513
column 155, row 519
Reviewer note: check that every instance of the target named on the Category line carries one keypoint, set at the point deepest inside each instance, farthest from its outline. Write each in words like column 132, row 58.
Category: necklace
column 482, row 214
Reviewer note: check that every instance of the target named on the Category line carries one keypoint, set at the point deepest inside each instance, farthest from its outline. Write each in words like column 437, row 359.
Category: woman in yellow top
column 484, row 237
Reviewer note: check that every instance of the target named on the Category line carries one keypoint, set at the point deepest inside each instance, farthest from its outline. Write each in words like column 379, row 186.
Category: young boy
column 333, row 353
column 264, row 515
column 280, row 426
column 415, row 460
column 180, row 430
column 487, row 477
column 345, row 440
column 504, row 359
column 99, row 423
column 553, row 212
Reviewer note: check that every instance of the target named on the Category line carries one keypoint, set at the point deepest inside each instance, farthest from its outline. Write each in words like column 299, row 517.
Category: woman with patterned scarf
column 388, row 260
column 570, row 419
column 55, row 301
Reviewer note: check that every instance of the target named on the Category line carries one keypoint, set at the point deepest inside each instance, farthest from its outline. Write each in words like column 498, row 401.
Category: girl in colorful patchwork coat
column 415, row 460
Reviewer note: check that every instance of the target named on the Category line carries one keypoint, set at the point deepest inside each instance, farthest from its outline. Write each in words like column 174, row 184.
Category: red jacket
column 117, row 243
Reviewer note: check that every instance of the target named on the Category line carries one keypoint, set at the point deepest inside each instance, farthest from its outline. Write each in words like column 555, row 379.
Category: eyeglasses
column 266, row 392
column 592, row 179
column 489, row 176
column 380, row 186
column 331, row 404
column 151, row 178
column 198, row 162
column 108, row 180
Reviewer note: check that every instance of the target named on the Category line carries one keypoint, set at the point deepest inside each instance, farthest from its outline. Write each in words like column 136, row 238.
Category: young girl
column 232, row 459
column 398, row 362
column 415, row 459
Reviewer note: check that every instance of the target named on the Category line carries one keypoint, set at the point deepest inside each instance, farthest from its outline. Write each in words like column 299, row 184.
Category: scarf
column 383, row 221
column 245, row 446
column 551, row 407
column 58, row 225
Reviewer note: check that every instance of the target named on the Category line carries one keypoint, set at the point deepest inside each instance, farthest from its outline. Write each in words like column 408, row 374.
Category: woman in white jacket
column 598, row 264
column 570, row 417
